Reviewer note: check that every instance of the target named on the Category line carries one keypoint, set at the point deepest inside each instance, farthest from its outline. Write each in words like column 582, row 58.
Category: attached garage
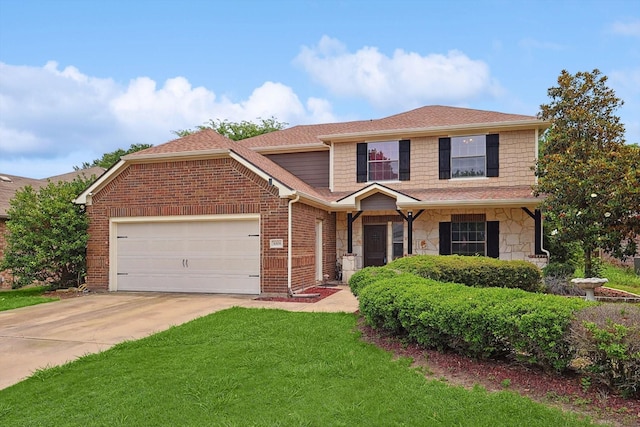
column 212, row 254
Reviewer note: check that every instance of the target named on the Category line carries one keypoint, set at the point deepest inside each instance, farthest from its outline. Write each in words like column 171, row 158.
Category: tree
column 47, row 236
column 109, row 159
column 237, row 130
column 589, row 177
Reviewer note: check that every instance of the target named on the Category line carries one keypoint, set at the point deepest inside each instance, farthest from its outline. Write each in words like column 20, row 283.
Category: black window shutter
column 493, row 239
column 493, row 155
column 444, row 156
column 445, row 238
column 361, row 163
column 405, row 159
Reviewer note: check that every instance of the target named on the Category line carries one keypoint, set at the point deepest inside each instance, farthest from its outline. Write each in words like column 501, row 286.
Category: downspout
column 542, row 239
column 289, row 242
column 537, row 136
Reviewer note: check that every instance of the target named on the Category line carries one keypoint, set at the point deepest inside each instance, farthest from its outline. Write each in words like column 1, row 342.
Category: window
column 469, row 156
column 398, row 240
column 468, row 234
column 383, row 161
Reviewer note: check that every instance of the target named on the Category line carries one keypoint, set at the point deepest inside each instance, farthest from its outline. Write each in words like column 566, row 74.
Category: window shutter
column 361, row 162
column 493, row 155
column 493, row 239
column 445, row 238
column 444, row 156
column 405, row 159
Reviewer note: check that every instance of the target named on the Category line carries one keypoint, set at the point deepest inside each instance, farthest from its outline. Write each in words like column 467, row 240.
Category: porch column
column 537, row 218
column 410, row 218
column 350, row 219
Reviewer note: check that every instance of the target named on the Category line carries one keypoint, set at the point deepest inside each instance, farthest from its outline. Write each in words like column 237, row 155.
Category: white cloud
column 628, row 28
column 406, row 79
column 48, row 113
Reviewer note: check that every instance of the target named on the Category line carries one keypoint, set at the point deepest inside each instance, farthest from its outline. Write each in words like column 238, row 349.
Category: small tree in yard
column 47, row 235
column 589, row 177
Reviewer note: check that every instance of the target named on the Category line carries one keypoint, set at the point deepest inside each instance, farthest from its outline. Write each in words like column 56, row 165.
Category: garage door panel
column 198, row 256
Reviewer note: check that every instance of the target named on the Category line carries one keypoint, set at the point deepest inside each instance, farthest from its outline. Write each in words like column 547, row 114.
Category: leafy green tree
column 237, row 130
column 47, row 236
column 588, row 176
column 109, row 159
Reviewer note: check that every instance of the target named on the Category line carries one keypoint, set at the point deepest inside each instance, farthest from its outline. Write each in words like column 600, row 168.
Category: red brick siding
column 304, row 245
column 197, row 187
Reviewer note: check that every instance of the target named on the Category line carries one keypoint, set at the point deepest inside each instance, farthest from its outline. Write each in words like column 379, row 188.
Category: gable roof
column 425, row 120
column 438, row 119
column 208, row 143
column 301, row 135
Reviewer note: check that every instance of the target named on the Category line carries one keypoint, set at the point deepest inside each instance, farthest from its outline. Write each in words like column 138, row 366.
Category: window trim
column 403, row 161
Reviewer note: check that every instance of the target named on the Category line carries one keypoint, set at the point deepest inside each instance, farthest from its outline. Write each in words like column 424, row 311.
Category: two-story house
column 274, row 214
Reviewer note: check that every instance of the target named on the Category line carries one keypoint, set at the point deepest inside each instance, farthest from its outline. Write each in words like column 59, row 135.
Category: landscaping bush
column 369, row 275
column 606, row 339
column 474, row 271
column 482, row 323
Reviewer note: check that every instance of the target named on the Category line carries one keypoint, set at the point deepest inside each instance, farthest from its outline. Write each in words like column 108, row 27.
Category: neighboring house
column 274, row 214
column 9, row 185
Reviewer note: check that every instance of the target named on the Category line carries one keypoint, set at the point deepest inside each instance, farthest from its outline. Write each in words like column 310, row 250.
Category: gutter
column 289, row 242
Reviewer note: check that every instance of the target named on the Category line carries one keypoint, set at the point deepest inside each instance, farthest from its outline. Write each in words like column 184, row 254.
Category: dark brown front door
column 375, row 245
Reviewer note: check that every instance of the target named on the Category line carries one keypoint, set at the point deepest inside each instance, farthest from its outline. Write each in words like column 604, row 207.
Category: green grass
column 23, row 298
column 258, row 367
column 622, row 278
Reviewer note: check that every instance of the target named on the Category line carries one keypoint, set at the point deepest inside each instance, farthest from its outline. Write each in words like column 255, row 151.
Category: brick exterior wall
column 208, row 187
column 517, row 156
column 304, row 245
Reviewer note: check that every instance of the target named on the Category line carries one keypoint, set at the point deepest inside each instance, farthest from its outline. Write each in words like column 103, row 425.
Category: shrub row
column 481, row 323
column 481, row 272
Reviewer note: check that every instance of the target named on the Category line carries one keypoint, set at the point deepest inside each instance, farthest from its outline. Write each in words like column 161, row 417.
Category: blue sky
column 79, row 78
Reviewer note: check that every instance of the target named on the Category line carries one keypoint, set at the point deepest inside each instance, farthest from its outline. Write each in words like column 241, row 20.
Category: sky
column 81, row 78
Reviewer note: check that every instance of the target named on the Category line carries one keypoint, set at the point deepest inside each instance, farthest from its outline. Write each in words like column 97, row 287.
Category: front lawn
column 258, row 367
column 23, row 297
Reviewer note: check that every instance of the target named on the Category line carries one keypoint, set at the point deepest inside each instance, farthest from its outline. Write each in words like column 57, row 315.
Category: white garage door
column 194, row 256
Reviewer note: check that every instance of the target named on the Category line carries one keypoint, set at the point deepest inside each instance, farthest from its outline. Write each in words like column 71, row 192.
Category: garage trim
column 114, row 221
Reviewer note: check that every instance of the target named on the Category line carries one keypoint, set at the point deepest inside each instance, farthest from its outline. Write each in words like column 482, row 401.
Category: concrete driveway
column 52, row 334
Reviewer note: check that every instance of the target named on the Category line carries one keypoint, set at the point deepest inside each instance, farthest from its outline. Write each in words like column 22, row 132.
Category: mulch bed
column 323, row 291
column 565, row 391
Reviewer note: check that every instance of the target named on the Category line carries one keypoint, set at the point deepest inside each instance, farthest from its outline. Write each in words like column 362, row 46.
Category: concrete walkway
column 52, row 334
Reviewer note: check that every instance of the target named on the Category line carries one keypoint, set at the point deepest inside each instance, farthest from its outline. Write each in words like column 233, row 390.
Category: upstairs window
column 383, row 161
column 468, row 156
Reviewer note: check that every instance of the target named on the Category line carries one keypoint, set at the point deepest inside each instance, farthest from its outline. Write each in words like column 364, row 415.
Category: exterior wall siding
column 517, row 156
column 303, row 273
column 312, row 167
column 197, row 187
column 517, row 229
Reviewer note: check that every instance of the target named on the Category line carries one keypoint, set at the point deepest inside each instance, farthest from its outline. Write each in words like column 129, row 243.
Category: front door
column 375, row 245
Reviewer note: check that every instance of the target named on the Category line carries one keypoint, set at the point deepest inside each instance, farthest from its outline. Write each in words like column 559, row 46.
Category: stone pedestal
column 350, row 264
column 588, row 285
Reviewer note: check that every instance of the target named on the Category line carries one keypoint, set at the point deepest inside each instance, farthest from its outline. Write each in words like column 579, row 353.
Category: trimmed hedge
column 481, row 323
column 369, row 275
column 481, row 272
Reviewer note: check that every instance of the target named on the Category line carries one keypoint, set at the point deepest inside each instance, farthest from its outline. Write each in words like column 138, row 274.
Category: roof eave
column 285, row 149
column 435, row 204
column 191, row 155
column 436, row 130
